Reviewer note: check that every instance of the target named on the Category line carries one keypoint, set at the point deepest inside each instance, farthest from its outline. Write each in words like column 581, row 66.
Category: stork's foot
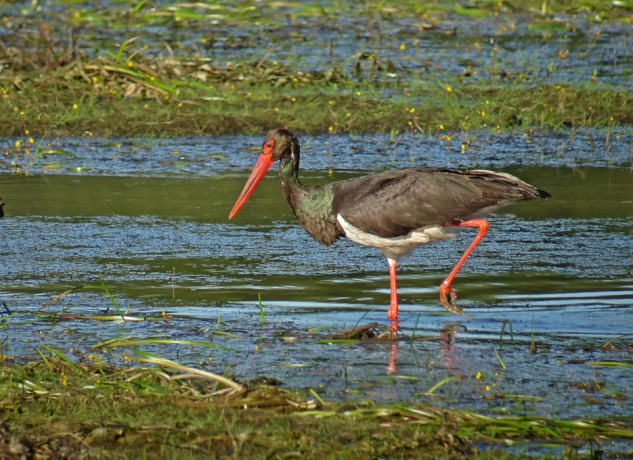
column 447, row 299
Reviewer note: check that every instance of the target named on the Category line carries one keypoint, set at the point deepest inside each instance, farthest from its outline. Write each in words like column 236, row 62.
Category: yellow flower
column 412, row 111
column 75, row 106
column 487, row 387
column 403, row 47
column 294, row 99
column 130, row 64
column 31, row 140
column 349, row 115
column 478, row 376
column 331, row 102
column 95, row 79
column 330, row 129
column 17, row 143
column 441, row 126
column 448, row 88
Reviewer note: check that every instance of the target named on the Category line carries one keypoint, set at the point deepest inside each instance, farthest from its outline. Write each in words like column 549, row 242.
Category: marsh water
column 438, row 43
column 149, row 218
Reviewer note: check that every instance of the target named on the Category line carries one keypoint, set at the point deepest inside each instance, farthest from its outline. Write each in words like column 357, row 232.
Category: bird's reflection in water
column 447, row 334
column 393, row 355
column 446, row 339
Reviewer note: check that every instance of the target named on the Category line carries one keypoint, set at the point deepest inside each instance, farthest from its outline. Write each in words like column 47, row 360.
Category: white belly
column 399, row 246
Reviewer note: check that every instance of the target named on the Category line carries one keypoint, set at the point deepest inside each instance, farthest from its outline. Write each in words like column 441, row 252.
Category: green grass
column 74, row 107
column 132, row 82
column 91, row 410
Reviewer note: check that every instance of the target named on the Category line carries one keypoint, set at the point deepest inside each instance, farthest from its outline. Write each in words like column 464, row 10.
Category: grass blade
column 112, row 299
column 63, row 357
column 147, row 358
column 261, row 308
column 500, row 360
column 439, row 384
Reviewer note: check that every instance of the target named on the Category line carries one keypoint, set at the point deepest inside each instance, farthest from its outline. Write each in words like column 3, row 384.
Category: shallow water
column 149, row 218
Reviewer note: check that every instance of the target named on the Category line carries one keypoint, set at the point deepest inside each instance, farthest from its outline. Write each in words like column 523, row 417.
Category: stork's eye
column 269, row 145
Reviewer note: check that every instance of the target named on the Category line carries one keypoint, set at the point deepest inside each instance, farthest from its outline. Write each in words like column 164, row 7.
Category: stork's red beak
column 263, row 163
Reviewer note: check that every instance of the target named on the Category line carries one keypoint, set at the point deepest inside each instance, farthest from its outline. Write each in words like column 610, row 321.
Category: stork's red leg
column 392, row 313
column 447, row 295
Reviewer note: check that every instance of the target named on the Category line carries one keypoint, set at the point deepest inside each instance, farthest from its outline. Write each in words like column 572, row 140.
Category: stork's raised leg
column 447, row 295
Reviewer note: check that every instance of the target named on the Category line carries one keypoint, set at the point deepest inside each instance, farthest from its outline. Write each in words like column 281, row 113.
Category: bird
column 393, row 211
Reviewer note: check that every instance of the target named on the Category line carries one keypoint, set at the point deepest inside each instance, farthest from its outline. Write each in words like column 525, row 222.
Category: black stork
column 393, row 211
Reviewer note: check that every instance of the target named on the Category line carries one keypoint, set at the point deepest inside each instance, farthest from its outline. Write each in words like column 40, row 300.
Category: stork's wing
column 393, row 203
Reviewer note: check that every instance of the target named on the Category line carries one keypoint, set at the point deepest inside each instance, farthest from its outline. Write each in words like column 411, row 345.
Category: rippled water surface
column 149, row 218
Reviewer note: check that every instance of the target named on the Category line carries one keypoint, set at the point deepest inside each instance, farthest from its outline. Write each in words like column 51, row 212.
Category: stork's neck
column 291, row 187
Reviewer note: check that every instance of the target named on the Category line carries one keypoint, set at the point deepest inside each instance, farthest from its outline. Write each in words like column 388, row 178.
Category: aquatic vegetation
column 96, row 410
column 229, row 68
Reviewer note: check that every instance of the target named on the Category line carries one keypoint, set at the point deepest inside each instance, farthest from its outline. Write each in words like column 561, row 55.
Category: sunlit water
column 149, row 218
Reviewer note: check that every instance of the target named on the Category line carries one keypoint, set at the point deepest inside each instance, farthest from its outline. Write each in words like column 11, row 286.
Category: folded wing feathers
column 394, row 203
